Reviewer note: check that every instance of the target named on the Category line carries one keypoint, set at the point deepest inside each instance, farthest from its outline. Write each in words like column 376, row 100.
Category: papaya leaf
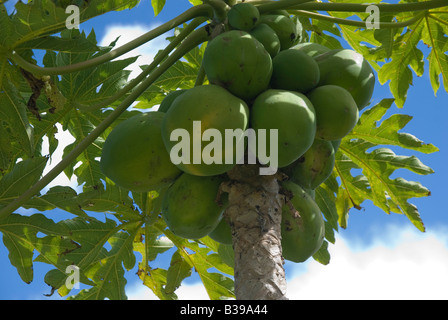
column 41, row 18
column 61, row 197
column 217, row 285
column 387, row 133
column 103, row 269
column 157, row 6
column 15, row 123
column 24, row 174
column 20, row 237
column 179, row 270
column 434, row 35
column 360, row 150
column 322, row 255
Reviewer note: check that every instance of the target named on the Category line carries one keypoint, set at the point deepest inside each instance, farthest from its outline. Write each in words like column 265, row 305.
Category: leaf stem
column 385, row 25
column 281, row 4
column 196, row 38
column 158, row 59
column 197, row 11
column 383, row 7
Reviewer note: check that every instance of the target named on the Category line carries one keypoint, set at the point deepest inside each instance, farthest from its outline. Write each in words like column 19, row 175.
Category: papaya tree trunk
column 254, row 214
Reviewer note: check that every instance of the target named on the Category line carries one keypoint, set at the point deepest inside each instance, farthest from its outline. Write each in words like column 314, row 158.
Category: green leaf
column 434, row 36
column 41, row 18
column 157, row 6
column 21, row 239
column 101, row 268
column 24, row 174
column 359, row 150
column 387, row 133
column 322, row 255
column 15, row 123
column 111, row 199
column 179, row 270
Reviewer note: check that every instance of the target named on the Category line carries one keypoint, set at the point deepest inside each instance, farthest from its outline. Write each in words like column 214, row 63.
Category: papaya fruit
column 134, row 155
column 294, row 118
column 189, row 207
column 222, row 233
column 168, row 100
column 315, row 166
column 205, row 113
column 336, row 111
column 348, row 69
column 302, row 226
column 243, row 16
column 284, row 27
column 294, row 70
column 310, row 48
column 238, row 62
column 268, row 38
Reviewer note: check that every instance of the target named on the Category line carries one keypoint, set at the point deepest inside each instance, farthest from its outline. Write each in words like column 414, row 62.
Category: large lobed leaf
column 362, row 149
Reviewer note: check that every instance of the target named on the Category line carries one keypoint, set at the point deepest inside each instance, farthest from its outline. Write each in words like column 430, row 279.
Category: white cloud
column 399, row 264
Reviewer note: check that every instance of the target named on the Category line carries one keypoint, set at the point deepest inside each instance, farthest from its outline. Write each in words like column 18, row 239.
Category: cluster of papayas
column 260, row 78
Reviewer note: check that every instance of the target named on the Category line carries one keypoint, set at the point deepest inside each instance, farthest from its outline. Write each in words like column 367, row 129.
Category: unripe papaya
column 302, row 225
column 238, row 62
column 336, row 111
column 168, row 100
column 134, row 156
column 294, row 70
column 268, row 38
column 293, row 115
column 243, row 16
column 284, row 27
column 348, row 69
column 310, row 48
column 189, row 207
column 315, row 166
column 205, row 113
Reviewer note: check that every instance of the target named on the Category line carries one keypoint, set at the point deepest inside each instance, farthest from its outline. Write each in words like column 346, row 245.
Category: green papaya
column 294, row 70
column 189, row 207
column 204, row 113
column 336, row 111
column 243, row 16
column 222, row 233
column 238, row 62
column 315, row 166
column 302, row 226
column 168, row 100
column 285, row 28
column 134, row 155
column 348, row 69
column 268, row 38
column 310, row 48
column 292, row 116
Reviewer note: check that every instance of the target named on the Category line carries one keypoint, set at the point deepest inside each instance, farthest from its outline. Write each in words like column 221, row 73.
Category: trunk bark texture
column 254, row 214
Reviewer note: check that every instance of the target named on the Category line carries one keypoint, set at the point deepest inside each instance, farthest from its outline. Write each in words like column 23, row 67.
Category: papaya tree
column 232, row 151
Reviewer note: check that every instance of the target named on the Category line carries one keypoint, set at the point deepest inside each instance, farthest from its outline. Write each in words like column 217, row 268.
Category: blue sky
column 377, row 256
